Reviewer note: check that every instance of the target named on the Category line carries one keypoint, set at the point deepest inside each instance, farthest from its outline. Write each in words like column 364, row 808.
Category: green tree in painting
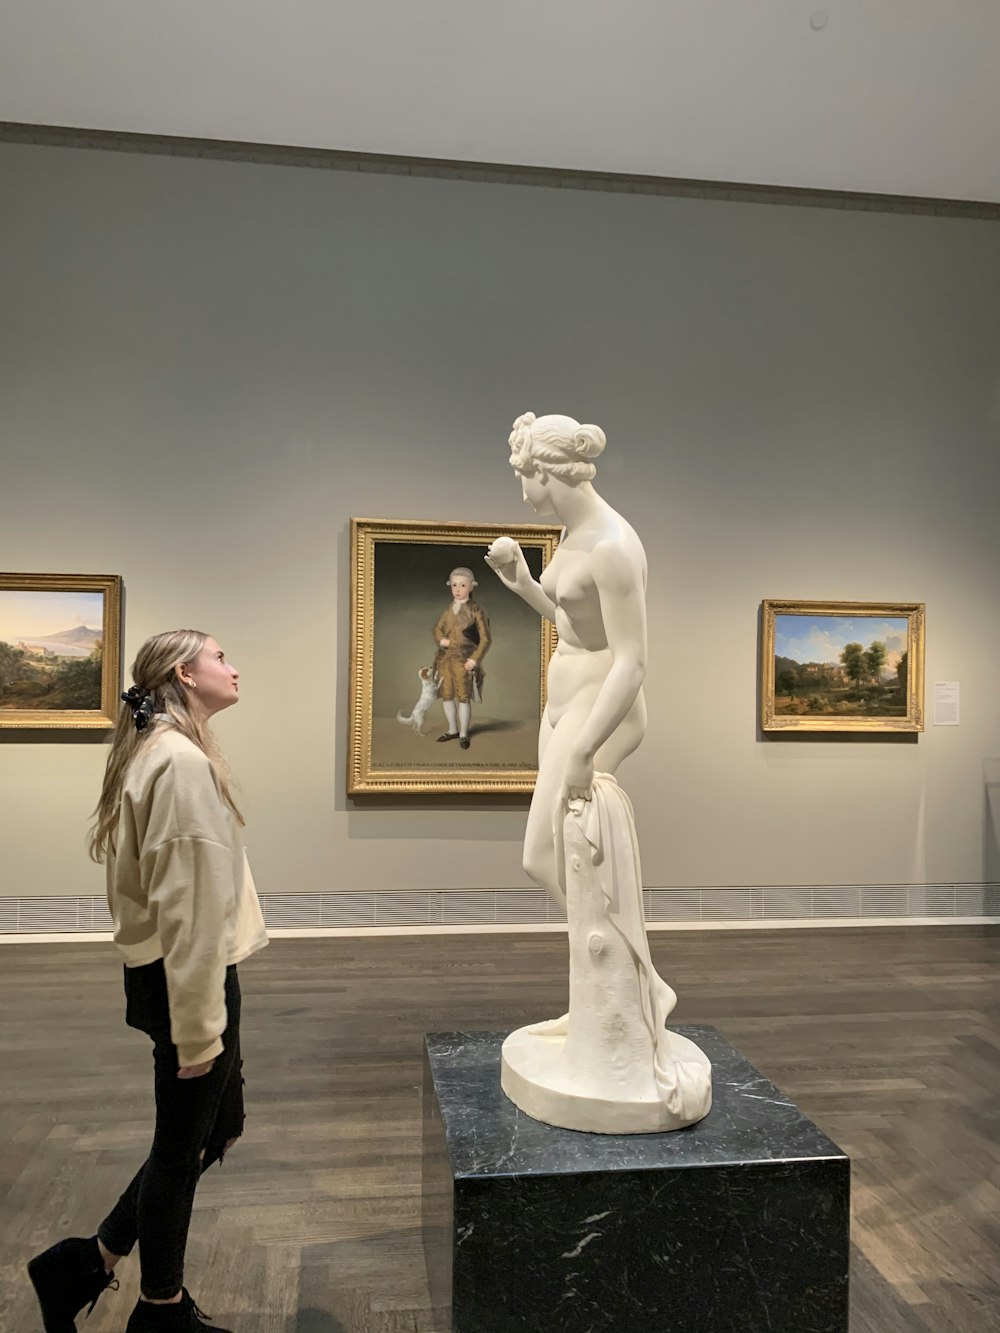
column 875, row 660
column 785, row 682
column 11, row 665
column 901, row 674
column 77, row 683
column 853, row 659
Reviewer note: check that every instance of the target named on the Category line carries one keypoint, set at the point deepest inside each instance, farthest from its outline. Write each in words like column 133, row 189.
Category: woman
column 185, row 913
column 594, row 589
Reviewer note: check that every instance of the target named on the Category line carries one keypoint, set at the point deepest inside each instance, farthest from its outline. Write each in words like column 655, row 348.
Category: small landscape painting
column 58, row 650
column 842, row 666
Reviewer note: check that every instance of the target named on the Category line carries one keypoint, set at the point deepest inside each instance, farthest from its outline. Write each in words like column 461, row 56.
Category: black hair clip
column 141, row 703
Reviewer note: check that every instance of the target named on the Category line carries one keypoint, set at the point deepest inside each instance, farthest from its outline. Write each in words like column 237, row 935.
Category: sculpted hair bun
column 589, row 442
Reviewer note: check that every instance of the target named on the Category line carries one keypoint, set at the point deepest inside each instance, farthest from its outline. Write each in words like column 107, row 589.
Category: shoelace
column 112, row 1284
column 200, row 1313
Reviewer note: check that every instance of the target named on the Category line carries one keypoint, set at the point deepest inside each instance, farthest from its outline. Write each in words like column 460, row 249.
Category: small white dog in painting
column 429, row 685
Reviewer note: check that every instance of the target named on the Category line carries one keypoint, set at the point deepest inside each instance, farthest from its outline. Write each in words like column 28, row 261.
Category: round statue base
column 535, row 1076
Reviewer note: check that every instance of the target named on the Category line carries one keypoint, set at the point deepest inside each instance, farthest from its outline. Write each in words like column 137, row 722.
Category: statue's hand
column 507, row 561
column 578, row 779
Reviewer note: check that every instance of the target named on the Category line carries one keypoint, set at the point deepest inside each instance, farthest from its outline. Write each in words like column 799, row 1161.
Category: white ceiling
column 890, row 96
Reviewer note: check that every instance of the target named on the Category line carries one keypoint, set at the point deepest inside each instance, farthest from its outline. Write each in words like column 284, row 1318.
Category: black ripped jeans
column 193, row 1116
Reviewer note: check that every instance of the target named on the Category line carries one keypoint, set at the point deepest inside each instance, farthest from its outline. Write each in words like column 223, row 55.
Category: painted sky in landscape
column 26, row 615
column 823, row 638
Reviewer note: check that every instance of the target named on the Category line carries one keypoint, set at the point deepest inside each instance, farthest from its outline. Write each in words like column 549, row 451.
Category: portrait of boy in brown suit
column 462, row 640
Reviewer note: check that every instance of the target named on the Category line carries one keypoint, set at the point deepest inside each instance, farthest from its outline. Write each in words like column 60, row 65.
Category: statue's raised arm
column 507, row 561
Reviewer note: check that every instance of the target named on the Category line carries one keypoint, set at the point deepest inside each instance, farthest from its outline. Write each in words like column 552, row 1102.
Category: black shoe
column 67, row 1277
column 181, row 1317
column 448, row 736
column 464, row 742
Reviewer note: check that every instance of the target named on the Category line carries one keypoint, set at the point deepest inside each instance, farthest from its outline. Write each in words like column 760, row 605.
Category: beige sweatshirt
column 180, row 888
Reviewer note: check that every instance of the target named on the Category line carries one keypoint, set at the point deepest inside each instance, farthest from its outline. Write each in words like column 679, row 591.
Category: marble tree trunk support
column 610, row 1065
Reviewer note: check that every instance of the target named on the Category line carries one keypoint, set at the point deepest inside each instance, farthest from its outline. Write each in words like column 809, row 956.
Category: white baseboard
column 322, row 932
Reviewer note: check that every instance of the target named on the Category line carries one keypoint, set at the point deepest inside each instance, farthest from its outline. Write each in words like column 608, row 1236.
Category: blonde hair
column 556, row 445
column 155, row 671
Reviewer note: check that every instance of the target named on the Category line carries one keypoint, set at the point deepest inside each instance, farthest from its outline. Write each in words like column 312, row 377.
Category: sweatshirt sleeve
column 189, row 883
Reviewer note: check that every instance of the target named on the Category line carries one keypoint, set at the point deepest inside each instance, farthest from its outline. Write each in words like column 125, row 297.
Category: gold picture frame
column 399, row 589
column 59, row 667
column 842, row 666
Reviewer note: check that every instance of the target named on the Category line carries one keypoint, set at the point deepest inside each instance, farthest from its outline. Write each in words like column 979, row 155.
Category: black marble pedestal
column 736, row 1225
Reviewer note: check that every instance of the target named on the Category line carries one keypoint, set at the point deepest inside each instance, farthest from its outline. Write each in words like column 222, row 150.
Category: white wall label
column 946, row 701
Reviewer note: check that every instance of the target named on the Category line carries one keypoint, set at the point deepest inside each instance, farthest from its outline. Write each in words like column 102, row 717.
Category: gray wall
column 899, row 97
column 208, row 367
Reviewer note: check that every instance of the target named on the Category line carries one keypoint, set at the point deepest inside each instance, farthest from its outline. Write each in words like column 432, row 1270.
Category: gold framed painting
column 60, row 650
column 447, row 681
column 842, row 666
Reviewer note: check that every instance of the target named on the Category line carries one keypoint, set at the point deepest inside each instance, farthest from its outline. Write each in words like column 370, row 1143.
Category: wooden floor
column 887, row 1038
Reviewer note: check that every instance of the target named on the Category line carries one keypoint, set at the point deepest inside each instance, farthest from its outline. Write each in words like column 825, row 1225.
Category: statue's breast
column 574, row 590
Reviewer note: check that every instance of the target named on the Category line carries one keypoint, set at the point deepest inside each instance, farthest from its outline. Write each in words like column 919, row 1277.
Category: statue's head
column 555, row 446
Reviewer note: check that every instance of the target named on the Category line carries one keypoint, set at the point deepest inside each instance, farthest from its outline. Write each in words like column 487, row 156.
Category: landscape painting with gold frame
column 59, row 650
column 842, row 666
column 400, row 674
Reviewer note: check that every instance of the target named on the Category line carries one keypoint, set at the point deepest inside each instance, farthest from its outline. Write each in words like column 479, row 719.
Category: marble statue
column 609, row 1065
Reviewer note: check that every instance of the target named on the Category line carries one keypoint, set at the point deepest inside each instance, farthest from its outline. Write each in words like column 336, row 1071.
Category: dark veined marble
column 739, row 1224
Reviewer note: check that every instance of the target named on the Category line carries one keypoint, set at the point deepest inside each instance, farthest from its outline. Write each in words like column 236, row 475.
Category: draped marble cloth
column 606, row 823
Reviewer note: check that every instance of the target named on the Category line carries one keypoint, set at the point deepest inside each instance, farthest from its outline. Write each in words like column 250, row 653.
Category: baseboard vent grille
column 528, row 907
